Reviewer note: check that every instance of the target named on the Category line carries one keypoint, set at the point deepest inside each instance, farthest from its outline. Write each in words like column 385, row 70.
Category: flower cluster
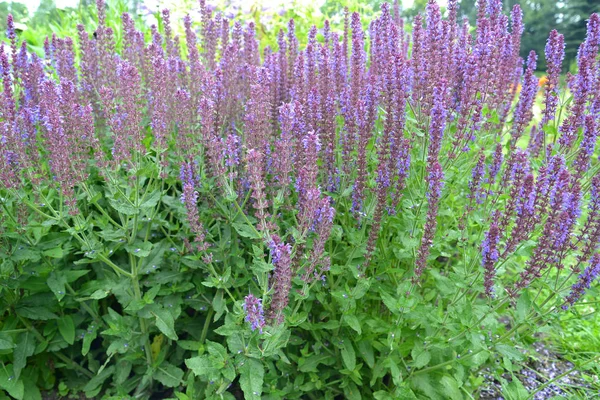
column 303, row 140
column 254, row 312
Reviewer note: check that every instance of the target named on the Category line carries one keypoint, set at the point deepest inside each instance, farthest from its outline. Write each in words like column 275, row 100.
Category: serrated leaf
column 56, row 282
column 514, row 390
column 123, row 207
column 123, row 371
column 509, row 351
column 99, row 294
column 189, row 345
column 88, row 338
column 56, row 252
column 311, row 363
column 139, row 249
column 422, row 359
column 169, row 375
column 252, row 374
column 348, row 355
column 523, row 306
column 246, row 231
column 451, row 388
column 218, row 305
column 98, row 380
column 390, row 302
column 353, row 322
column 361, row 288
column 382, row 395
column 66, row 327
column 6, row 343
column 36, row 313
column 200, row 366
column 13, row 387
column 365, row 349
column 156, row 256
column 152, row 200
column 352, row 392
column 25, row 348
column 165, row 323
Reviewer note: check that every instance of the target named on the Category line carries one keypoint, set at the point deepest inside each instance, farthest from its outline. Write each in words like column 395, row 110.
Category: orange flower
column 543, row 80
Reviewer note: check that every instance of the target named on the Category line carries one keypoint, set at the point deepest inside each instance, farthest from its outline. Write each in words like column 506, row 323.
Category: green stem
column 209, row 316
column 138, row 296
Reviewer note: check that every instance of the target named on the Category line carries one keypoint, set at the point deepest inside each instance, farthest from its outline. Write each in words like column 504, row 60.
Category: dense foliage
column 376, row 214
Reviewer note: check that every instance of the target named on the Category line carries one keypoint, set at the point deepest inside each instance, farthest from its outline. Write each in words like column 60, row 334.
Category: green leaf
column 361, row 288
column 99, row 294
column 169, row 375
column 382, row 395
column 165, row 323
column 353, row 323
column 123, row 207
column 7, row 343
column 66, row 327
column 139, row 249
column 348, row 355
column 96, row 382
column 275, row 340
column 13, row 387
column 390, row 302
column 156, row 256
column 152, row 200
column 252, row 374
column 36, row 313
column 88, row 338
column 25, row 348
column 189, row 345
column 422, row 359
column 509, row 351
column 123, row 371
column 56, row 252
column 26, row 254
column 514, row 390
column 451, row 388
column 218, row 305
column 31, row 392
column 311, row 363
column 352, row 392
column 523, row 306
column 200, row 366
column 56, row 282
column 246, row 231
column 365, row 349
column 217, row 350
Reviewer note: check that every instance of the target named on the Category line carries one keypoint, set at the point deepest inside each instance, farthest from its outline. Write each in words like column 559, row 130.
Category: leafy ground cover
column 357, row 213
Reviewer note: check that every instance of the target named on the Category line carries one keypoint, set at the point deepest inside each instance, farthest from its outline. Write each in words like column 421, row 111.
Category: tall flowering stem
column 584, row 281
column 434, row 193
column 254, row 312
column 281, row 281
column 489, row 255
column 189, row 198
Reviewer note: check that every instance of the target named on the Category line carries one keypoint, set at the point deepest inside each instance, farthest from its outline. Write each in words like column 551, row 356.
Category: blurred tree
column 540, row 17
column 573, row 17
column 18, row 10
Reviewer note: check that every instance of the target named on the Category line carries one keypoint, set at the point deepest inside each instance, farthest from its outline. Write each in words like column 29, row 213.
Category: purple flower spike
column 254, row 312
column 489, row 255
column 523, row 113
column 281, row 256
column 584, row 282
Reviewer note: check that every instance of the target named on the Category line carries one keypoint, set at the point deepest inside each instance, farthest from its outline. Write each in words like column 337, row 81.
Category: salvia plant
column 363, row 213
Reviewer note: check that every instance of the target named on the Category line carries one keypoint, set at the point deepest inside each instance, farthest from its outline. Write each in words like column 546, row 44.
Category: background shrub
column 374, row 214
